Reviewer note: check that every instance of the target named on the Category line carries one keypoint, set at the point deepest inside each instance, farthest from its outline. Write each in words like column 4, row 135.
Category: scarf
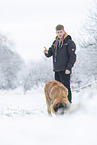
column 59, row 44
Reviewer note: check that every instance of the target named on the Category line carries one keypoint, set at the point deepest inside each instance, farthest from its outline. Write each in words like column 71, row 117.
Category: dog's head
column 59, row 108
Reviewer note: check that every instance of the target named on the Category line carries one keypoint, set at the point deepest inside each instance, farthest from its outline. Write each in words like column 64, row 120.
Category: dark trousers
column 65, row 80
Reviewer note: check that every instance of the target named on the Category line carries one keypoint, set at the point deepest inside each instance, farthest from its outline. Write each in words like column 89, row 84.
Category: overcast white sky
column 31, row 23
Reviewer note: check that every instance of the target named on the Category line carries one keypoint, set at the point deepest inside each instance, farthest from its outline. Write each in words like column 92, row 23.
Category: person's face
column 60, row 33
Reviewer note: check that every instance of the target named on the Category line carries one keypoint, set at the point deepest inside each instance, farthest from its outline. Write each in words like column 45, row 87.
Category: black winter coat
column 66, row 56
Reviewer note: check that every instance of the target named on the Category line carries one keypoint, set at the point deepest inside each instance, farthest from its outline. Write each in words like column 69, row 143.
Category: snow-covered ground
column 24, row 119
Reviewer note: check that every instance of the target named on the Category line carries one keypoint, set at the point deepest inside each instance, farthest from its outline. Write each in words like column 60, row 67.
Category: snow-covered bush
column 39, row 71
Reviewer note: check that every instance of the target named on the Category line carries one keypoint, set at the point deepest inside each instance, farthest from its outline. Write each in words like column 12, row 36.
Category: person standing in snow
column 64, row 57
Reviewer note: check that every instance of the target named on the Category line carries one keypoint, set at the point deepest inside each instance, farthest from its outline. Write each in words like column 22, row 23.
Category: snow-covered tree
column 86, row 67
column 10, row 64
column 88, row 32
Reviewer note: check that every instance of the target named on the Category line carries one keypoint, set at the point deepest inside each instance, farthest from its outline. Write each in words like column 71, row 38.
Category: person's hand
column 67, row 71
column 45, row 50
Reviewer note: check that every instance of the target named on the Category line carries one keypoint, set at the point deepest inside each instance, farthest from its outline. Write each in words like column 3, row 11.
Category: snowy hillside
column 24, row 119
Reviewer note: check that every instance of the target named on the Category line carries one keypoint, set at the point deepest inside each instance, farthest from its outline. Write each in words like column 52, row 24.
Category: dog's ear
column 67, row 102
column 53, row 108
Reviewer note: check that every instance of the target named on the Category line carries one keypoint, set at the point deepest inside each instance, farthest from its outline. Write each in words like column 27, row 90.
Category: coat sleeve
column 50, row 53
column 72, row 55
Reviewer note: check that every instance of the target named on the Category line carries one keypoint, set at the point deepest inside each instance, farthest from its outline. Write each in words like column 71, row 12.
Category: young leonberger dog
column 56, row 97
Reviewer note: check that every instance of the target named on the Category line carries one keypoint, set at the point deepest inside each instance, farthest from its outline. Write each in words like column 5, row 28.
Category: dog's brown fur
column 55, row 92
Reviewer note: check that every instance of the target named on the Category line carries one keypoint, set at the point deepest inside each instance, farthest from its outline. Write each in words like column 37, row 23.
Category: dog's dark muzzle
column 60, row 108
